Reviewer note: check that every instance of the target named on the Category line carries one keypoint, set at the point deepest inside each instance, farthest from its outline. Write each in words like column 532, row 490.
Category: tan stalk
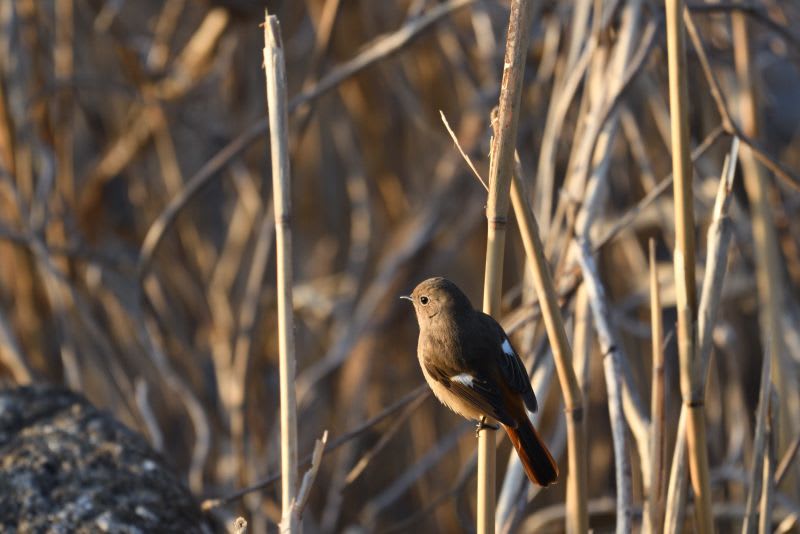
column 281, row 187
column 577, row 453
column 686, row 293
column 769, row 268
column 500, row 172
column 655, row 500
column 718, row 241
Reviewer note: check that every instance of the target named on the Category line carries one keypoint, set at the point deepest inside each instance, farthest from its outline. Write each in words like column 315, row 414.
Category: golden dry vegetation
column 137, row 246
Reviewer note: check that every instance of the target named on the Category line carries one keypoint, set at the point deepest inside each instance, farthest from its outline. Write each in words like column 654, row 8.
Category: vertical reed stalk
column 718, row 240
column 500, row 172
column 655, row 500
column 769, row 269
column 576, row 516
column 281, row 194
column 686, row 294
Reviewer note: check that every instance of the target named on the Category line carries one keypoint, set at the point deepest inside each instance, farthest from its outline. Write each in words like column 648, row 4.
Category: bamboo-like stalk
column 576, row 505
column 500, row 172
column 718, row 240
column 281, row 187
column 684, row 258
column 769, row 268
column 655, row 500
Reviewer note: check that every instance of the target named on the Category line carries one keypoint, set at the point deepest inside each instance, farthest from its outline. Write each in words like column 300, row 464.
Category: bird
column 472, row 368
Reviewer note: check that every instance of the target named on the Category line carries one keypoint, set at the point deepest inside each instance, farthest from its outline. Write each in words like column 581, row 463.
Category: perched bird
column 470, row 365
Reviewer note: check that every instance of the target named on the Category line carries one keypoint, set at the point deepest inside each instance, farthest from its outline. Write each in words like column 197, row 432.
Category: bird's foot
column 483, row 424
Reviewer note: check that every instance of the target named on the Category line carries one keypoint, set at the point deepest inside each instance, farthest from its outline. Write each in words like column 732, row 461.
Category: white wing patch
column 507, row 348
column 463, row 378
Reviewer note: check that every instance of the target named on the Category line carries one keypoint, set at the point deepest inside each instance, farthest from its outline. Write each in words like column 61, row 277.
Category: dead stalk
column 769, row 263
column 500, row 172
column 577, row 519
column 281, row 186
column 612, row 366
column 691, row 383
column 655, row 499
column 718, row 240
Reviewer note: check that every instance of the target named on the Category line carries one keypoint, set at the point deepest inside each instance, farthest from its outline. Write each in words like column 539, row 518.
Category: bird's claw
column 483, row 424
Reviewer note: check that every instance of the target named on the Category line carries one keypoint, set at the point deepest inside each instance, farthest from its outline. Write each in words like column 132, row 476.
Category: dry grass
column 138, row 253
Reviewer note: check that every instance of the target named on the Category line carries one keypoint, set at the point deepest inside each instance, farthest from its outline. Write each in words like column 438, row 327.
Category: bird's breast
column 444, row 355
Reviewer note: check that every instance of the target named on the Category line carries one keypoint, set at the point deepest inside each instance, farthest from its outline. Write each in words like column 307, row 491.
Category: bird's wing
column 511, row 366
column 478, row 392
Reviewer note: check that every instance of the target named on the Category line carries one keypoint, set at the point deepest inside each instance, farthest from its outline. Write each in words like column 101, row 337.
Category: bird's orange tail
column 536, row 459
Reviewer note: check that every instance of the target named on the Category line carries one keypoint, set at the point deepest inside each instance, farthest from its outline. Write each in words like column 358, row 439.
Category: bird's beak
column 407, row 297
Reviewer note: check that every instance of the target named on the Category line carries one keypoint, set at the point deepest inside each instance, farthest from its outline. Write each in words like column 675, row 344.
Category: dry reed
column 139, row 259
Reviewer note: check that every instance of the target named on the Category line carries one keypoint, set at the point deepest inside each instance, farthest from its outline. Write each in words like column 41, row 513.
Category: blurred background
column 137, row 233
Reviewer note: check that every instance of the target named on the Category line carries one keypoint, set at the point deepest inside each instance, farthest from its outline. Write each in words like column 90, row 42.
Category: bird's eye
column 424, row 300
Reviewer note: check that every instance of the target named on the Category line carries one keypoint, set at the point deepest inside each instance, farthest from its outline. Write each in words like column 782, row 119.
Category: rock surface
column 66, row 466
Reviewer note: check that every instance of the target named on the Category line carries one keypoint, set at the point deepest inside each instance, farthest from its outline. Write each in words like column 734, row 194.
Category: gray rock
column 66, row 466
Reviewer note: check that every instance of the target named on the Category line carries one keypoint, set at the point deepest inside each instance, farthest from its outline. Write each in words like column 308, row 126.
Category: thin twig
column 461, row 151
column 310, row 476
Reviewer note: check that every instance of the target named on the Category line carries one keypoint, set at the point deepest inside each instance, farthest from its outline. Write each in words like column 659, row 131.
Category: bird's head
column 438, row 299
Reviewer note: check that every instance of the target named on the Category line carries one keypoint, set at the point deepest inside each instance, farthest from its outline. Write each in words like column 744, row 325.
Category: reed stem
column 500, row 172
column 281, row 187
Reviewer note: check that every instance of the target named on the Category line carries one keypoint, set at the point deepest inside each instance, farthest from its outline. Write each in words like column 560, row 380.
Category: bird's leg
column 483, row 424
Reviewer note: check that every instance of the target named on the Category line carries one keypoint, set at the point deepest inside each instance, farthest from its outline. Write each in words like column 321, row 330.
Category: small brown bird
column 472, row 368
